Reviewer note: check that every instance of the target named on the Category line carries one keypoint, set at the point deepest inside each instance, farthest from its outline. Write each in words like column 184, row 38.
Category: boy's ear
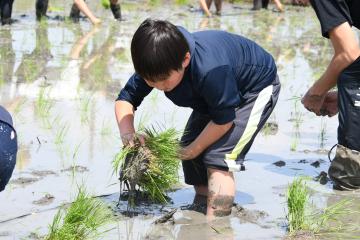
column 186, row 60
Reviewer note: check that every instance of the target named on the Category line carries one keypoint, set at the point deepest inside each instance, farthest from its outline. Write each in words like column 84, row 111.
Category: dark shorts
column 229, row 151
column 332, row 13
column 8, row 150
column 349, row 106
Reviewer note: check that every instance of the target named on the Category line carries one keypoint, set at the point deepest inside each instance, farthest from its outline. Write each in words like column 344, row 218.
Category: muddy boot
column 344, row 169
column 257, row 5
column 116, row 11
column 41, row 7
column 6, row 9
column 265, row 4
column 75, row 13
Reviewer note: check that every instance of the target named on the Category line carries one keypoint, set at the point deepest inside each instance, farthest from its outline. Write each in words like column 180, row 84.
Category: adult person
column 336, row 19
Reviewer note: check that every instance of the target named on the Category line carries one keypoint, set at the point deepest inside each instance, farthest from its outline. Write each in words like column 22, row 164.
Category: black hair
column 157, row 48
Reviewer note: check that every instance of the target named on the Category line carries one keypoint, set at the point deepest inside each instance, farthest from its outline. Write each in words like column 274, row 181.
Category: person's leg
column 265, row 3
column 279, row 6
column 6, row 11
column 257, row 4
column 218, row 6
column 344, row 170
column 116, row 9
column 41, row 7
column 74, row 13
column 86, row 11
column 8, row 150
column 221, row 193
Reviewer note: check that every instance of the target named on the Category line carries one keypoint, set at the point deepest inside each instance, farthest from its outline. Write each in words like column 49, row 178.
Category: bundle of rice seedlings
column 81, row 220
column 105, row 4
column 151, row 169
column 305, row 220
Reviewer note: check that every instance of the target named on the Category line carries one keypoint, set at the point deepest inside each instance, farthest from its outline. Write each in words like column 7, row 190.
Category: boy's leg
column 41, row 7
column 195, row 172
column 8, row 150
column 221, row 193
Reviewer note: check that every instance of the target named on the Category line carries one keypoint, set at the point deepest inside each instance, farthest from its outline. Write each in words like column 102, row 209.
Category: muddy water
column 60, row 79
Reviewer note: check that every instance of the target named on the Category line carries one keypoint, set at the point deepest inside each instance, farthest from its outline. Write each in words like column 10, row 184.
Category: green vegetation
column 43, row 104
column 82, row 220
column 105, row 4
column 152, row 168
column 304, row 219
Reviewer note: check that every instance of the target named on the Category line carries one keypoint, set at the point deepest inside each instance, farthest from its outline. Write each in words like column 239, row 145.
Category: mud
column 24, row 181
column 46, row 200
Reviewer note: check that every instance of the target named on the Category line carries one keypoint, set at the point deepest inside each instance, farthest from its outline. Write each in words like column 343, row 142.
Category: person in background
column 206, row 4
column 258, row 4
column 336, row 18
column 41, row 7
column 8, row 147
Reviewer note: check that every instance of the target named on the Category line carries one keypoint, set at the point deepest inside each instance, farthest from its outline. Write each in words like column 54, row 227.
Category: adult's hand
column 330, row 105
column 313, row 102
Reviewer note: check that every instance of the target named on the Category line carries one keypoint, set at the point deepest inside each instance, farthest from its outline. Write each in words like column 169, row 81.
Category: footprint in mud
column 24, row 181
column 47, row 199
column 76, row 168
column 247, row 215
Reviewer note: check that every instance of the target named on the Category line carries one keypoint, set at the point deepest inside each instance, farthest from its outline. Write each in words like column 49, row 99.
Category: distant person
column 229, row 81
column 41, row 7
column 258, row 4
column 336, row 18
column 206, row 4
column 8, row 147
column 114, row 6
column 5, row 11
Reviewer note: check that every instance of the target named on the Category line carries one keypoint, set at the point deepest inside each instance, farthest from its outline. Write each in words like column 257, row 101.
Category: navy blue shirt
column 224, row 70
column 5, row 116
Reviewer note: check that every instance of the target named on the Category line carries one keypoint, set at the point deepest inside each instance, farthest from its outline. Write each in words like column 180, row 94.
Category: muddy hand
column 313, row 102
column 131, row 139
column 330, row 105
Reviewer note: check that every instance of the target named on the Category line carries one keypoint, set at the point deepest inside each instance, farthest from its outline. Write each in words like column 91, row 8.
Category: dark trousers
column 6, row 10
column 349, row 106
column 260, row 4
column 8, row 150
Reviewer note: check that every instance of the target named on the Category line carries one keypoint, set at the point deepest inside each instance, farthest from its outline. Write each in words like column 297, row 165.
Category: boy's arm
column 346, row 51
column 211, row 133
column 124, row 113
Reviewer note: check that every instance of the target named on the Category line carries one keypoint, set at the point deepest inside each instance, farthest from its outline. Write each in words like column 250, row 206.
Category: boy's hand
column 330, row 105
column 130, row 139
column 313, row 102
column 188, row 153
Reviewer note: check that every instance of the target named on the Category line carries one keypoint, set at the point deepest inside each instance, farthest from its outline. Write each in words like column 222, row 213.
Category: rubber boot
column 41, row 7
column 344, row 169
column 116, row 11
column 74, row 13
column 6, row 9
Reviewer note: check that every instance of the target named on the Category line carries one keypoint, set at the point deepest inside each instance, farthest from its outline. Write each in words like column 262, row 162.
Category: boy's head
column 160, row 53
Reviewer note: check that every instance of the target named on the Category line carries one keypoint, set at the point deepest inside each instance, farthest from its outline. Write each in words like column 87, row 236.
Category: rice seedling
column 61, row 132
column 322, row 134
column 297, row 198
column 106, row 129
column 83, row 219
column 181, row 2
column 86, row 102
column 304, row 218
column 43, row 104
column 105, row 4
column 150, row 170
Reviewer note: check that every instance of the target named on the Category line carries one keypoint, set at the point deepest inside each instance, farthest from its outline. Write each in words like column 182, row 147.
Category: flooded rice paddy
column 59, row 80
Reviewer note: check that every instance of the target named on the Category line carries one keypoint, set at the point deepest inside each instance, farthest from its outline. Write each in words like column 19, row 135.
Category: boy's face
column 174, row 78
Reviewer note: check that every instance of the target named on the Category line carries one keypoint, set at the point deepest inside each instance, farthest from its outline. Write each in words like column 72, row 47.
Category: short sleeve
column 331, row 13
column 134, row 91
column 219, row 89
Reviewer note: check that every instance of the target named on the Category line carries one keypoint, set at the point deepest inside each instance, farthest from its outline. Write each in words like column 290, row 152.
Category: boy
column 8, row 147
column 336, row 18
column 229, row 81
